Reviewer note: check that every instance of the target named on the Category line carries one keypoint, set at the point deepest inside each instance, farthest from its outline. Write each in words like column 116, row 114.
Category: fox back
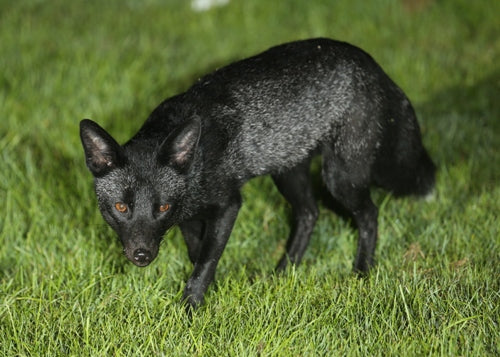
column 268, row 114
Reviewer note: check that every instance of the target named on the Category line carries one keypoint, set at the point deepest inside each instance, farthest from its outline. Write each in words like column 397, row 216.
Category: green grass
column 66, row 289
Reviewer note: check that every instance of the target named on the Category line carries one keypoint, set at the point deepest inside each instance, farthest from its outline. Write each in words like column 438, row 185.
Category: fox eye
column 164, row 208
column 121, row 207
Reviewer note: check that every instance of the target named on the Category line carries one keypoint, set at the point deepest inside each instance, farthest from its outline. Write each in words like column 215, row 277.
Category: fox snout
column 140, row 255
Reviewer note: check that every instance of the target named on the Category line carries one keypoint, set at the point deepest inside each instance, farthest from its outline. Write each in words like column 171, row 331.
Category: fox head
column 141, row 187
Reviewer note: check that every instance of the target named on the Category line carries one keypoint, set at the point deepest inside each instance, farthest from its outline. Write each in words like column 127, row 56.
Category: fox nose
column 142, row 257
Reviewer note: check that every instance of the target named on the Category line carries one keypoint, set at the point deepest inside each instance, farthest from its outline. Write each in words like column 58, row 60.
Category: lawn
column 66, row 288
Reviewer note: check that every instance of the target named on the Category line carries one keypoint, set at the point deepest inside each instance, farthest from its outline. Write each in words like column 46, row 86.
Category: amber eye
column 165, row 207
column 121, row 207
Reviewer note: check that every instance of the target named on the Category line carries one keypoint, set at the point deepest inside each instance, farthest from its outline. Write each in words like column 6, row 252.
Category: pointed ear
column 102, row 152
column 178, row 149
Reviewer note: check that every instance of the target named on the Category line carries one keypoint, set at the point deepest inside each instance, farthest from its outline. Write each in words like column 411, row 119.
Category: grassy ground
column 66, row 289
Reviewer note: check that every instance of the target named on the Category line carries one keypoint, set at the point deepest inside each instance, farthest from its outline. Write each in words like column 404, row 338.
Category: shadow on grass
column 462, row 126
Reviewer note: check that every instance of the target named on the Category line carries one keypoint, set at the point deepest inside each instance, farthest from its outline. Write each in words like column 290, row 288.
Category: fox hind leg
column 349, row 183
column 295, row 185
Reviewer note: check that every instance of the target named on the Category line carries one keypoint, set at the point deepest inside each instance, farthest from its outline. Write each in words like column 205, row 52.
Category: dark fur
column 268, row 114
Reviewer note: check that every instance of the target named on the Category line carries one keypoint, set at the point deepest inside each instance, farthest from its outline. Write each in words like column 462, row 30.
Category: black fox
column 268, row 114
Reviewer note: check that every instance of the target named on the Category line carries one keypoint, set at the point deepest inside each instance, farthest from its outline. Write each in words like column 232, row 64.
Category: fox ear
column 179, row 147
column 102, row 152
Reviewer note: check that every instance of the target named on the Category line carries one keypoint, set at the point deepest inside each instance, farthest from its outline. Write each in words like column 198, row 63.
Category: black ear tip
column 87, row 123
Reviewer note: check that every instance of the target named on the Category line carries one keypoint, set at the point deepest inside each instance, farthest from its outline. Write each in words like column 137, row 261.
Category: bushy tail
column 413, row 177
column 425, row 176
